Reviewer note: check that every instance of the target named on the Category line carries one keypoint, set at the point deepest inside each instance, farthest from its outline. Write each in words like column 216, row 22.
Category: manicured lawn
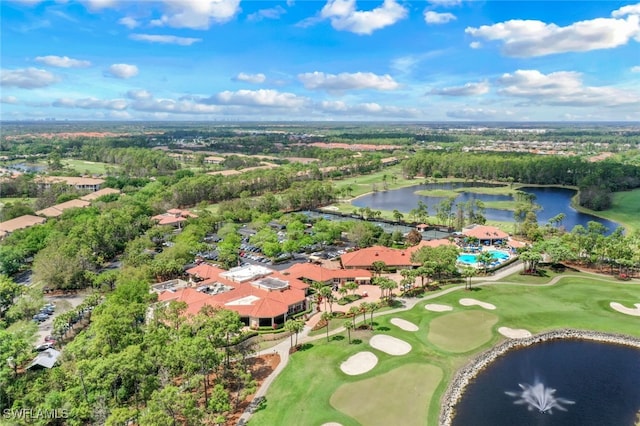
column 624, row 210
column 8, row 200
column 90, row 167
column 313, row 390
column 399, row 396
column 462, row 331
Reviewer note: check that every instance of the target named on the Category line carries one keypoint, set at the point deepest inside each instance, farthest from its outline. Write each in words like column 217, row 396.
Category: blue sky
column 383, row 60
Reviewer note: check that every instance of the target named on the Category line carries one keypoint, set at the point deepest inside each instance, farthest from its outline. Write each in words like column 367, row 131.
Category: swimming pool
column 469, row 259
column 472, row 259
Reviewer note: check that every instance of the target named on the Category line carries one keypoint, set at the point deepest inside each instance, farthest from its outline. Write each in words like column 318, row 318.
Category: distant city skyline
column 330, row 60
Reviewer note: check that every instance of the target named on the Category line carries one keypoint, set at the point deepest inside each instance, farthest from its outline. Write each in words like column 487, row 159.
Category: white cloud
column 347, row 81
column 165, row 39
column 9, row 100
column 366, row 109
column 123, row 70
column 468, row 113
column 262, row 97
column 522, row 38
column 27, row 78
column 250, row 78
column 344, row 16
column 272, row 13
column 197, row 14
column 139, row 95
column 633, row 9
column 91, row 103
column 96, row 5
column 128, row 22
column 62, row 61
column 635, row 69
column 175, row 107
column 563, row 88
column 469, row 89
column 431, row 17
column 475, row 45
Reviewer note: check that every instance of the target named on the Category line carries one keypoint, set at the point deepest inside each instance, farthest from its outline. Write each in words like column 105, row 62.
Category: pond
column 553, row 201
column 26, row 167
column 596, row 383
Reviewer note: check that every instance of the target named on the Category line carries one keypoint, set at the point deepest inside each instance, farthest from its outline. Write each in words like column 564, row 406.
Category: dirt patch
column 261, row 367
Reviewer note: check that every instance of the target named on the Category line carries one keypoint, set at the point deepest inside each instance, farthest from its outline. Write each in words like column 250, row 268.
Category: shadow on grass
column 356, row 341
column 337, row 338
column 305, row 347
column 383, row 328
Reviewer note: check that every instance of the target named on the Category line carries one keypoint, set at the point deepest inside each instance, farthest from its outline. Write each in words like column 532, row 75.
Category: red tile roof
column 484, row 232
column 244, row 298
column 205, row 271
column 315, row 272
column 365, row 257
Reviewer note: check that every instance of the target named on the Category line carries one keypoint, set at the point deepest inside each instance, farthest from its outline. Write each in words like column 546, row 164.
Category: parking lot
column 62, row 303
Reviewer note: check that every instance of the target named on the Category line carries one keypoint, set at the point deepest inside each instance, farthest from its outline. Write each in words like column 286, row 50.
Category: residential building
column 392, row 258
column 310, row 272
column 58, row 209
column 262, row 297
column 80, row 183
column 20, row 222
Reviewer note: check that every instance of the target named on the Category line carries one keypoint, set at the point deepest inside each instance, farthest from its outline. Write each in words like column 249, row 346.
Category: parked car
column 44, row 346
column 40, row 317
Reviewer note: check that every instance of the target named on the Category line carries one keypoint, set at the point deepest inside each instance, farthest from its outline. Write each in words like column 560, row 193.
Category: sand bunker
column 359, row 363
column 435, row 307
column 332, row 424
column 405, row 325
column 474, row 302
column 389, row 344
column 514, row 333
column 623, row 309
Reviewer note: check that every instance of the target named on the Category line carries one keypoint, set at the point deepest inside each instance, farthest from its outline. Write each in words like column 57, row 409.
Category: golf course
column 445, row 331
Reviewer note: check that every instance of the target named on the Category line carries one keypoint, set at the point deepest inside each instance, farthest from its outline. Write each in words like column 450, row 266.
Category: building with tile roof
column 80, row 183
column 58, row 209
column 486, row 234
column 310, row 272
column 393, row 258
column 99, row 193
column 19, row 222
column 173, row 217
column 262, row 297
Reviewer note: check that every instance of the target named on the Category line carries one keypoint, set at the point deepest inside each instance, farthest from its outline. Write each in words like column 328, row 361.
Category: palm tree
column 351, row 286
column 326, row 293
column 364, row 308
column 353, row 312
column 485, row 258
column 349, row 326
column 373, row 306
column 397, row 215
column 326, row 317
column 468, row 272
column 317, row 286
column 294, row 327
column 378, row 266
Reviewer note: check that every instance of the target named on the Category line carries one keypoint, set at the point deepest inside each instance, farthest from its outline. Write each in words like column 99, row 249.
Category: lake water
column 552, row 200
column 601, row 380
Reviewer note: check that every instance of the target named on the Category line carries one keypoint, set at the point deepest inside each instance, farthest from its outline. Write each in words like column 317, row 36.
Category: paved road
column 63, row 303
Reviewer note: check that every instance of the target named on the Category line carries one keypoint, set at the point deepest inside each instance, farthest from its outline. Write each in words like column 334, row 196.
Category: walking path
column 283, row 347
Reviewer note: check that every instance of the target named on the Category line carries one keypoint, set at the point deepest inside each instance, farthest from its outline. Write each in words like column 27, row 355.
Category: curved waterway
column 553, row 201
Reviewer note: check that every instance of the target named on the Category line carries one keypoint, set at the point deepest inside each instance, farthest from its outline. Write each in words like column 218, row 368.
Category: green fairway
column 312, row 389
column 88, row 167
column 624, row 210
column 462, row 331
column 400, row 396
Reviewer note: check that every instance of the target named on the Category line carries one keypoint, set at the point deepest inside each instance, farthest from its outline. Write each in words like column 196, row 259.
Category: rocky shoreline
column 470, row 371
